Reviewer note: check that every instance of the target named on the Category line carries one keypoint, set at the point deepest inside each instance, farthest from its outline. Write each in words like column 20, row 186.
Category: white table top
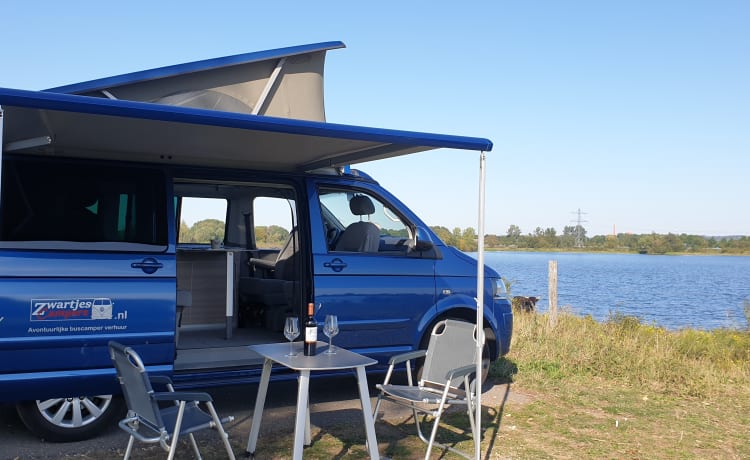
column 343, row 359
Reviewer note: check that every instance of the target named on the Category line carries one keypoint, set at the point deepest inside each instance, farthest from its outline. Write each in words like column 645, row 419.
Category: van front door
column 365, row 275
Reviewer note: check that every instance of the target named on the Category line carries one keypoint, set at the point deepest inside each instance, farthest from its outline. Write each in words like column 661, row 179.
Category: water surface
column 702, row 292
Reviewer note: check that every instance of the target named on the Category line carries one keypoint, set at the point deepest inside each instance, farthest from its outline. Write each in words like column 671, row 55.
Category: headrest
column 361, row 205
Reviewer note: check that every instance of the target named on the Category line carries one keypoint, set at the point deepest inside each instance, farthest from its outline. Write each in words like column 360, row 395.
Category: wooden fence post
column 552, row 293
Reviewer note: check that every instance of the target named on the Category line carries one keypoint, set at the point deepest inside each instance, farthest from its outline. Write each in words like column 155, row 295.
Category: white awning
column 46, row 123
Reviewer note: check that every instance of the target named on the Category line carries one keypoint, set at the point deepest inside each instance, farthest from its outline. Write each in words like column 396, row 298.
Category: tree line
column 573, row 237
column 271, row 236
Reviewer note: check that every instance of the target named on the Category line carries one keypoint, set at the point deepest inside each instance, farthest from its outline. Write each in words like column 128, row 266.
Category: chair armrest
column 460, row 372
column 403, row 357
column 160, row 379
column 407, row 356
column 262, row 263
column 182, row 396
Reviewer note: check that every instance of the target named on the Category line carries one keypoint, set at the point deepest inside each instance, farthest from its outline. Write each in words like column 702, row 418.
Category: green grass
column 581, row 389
column 622, row 389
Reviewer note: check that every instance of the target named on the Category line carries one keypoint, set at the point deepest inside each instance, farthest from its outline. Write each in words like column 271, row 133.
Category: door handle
column 336, row 265
column 149, row 265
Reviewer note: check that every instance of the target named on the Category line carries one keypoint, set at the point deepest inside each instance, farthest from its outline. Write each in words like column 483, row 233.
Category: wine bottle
column 311, row 331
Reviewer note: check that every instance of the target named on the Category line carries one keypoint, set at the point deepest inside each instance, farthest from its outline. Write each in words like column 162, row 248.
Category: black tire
column 70, row 419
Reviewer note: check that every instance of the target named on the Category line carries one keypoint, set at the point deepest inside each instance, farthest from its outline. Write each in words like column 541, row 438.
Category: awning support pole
column 480, row 307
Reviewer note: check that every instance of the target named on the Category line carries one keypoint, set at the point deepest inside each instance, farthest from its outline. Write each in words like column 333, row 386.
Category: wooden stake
column 553, row 293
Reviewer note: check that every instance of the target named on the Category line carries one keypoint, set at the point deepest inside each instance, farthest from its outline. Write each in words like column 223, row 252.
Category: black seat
column 362, row 236
column 276, row 293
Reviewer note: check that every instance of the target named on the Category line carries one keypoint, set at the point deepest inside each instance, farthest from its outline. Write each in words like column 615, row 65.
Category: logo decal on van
column 71, row 309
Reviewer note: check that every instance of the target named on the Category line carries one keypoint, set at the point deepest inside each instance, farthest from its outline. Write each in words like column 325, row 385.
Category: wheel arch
column 464, row 313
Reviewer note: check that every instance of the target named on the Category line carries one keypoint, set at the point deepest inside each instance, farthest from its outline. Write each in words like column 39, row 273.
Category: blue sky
column 635, row 112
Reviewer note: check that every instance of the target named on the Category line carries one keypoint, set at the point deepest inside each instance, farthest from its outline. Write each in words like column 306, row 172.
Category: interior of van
column 237, row 270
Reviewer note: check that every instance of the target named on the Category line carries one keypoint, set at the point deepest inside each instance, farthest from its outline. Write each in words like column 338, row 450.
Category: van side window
column 202, row 219
column 58, row 202
column 274, row 219
column 356, row 221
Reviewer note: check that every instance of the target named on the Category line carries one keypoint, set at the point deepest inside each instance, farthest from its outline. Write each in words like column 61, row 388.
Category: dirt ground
column 334, row 403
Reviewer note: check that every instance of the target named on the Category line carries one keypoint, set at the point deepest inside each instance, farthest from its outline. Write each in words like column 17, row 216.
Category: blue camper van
column 98, row 179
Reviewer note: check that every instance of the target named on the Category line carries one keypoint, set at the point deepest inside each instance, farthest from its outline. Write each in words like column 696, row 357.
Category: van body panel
column 377, row 308
column 56, row 384
column 60, row 316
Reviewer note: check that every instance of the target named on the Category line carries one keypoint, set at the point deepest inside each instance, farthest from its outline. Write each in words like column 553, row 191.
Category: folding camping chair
column 446, row 378
column 161, row 425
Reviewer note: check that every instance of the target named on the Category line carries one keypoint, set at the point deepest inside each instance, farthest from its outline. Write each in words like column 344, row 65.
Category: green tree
column 492, row 241
column 444, row 234
column 205, row 230
column 514, row 231
column 468, row 240
column 185, row 232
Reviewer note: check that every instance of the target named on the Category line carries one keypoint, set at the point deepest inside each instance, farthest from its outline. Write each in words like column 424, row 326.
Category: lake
column 675, row 292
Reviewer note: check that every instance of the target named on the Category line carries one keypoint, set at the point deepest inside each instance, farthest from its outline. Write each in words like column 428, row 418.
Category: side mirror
column 424, row 242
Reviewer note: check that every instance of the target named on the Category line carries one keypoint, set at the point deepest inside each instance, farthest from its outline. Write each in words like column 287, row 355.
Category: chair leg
column 129, row 448
column 470, row 409
column 176, row 432
column 419, row 427
column 435, row 426
column 220, row 428
column 377, row 406
column 195, row 446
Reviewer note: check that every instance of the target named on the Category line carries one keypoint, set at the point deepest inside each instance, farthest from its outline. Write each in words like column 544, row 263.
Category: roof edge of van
column 191, row 67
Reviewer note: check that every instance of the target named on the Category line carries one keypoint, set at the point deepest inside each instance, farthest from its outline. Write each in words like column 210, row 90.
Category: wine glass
column 331, row 328
column 291, row 331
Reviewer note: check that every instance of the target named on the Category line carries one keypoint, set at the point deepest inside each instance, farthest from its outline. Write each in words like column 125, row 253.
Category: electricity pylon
column 579, row 228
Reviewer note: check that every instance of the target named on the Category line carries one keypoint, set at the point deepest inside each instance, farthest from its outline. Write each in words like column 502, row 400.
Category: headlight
column 498, row 290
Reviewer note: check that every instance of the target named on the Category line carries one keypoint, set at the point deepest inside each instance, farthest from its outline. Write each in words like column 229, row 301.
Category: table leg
column 260, row 401
column 308, row 433
column 230, row 295
column 303, row 399
column 364, row 396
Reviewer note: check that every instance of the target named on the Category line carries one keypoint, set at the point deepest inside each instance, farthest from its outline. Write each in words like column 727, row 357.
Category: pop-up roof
column 283, row 82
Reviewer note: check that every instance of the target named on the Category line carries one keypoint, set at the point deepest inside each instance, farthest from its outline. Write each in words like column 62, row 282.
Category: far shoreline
column 585, row 251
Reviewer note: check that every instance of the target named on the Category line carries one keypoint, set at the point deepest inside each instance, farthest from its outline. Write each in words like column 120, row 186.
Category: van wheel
column 70, row 419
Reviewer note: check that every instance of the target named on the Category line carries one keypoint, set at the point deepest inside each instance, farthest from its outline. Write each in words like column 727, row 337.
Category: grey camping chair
column 446, row 378
column 146, row 421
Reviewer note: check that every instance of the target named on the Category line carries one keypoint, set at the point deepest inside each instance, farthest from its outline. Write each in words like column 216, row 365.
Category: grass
column 622, row 389
column 580, row 389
